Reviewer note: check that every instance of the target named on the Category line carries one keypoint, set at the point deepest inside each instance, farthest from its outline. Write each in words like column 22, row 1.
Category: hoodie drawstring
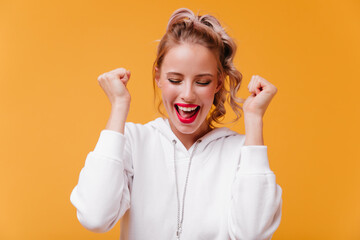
column 180, row 221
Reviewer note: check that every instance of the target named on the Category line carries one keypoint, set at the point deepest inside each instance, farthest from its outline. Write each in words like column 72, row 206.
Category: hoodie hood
column 163, row 126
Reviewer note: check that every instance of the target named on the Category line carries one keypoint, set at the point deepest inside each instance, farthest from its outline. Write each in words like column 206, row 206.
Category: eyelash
column 174, row 81
column 179, row 81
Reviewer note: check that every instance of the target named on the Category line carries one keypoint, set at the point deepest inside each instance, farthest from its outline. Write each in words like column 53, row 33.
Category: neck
column 189, row 139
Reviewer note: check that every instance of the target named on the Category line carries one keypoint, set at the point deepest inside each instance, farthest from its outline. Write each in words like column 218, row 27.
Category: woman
column 180, row 177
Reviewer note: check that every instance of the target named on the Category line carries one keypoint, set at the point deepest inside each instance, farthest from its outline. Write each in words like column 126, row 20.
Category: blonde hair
column 185, row 27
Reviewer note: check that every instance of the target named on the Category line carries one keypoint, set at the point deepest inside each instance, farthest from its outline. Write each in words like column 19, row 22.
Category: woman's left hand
column 262, row 92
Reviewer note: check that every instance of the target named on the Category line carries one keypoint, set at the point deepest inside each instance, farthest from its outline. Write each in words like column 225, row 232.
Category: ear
column 219, row 83
column 157, row 77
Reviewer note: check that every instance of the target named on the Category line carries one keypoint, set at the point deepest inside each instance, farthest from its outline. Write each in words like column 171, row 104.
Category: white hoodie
column 231, row 191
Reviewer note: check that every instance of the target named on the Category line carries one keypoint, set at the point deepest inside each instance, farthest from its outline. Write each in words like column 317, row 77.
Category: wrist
column 118, row 116
column 252, row 116
column 121, row 103
column 253, row 130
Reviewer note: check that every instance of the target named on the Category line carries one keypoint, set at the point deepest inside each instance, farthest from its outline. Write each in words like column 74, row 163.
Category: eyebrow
column 198, row 75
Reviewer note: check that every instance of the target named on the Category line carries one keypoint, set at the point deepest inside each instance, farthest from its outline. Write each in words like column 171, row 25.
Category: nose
column 188, row 92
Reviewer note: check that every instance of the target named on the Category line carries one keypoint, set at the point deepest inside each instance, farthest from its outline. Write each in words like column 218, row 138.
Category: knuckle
column 100, row 77
column 119, row 70
column 108, row 76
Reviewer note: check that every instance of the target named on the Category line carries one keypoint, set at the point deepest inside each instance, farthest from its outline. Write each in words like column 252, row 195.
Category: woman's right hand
column 114, row 83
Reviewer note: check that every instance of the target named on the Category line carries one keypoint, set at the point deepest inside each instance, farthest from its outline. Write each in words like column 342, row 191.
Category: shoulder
column 228, row 134
column 235, row 136
column 131, row 126
column 135, row 131
column 224, row 138
column 234, row 143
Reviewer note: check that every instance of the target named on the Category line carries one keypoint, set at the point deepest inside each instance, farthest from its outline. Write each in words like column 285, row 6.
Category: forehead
column 190, row 59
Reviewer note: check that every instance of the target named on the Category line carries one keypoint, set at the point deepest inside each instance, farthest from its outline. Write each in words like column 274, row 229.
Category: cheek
column 168, row 93
column 208, row 96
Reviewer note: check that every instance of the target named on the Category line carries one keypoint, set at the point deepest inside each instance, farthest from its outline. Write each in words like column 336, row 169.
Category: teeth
column 187, row 109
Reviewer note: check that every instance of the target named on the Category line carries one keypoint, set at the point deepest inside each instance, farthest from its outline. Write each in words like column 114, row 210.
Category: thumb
column 126, row 77
column 128, row 74
column 250, row 98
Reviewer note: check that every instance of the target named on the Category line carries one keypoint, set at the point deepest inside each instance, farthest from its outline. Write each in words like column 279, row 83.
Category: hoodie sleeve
column 102, row 194
column 256, row 202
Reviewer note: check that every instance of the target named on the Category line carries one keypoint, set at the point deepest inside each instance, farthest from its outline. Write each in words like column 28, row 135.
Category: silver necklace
column 180, row 221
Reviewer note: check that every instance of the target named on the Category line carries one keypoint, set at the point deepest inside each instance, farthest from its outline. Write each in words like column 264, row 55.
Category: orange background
column 52, row 108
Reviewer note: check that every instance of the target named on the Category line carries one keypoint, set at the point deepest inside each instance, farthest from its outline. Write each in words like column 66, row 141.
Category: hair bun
column 181, row 15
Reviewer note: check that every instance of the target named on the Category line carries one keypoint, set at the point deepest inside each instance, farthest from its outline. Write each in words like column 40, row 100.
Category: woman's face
column 188, row 81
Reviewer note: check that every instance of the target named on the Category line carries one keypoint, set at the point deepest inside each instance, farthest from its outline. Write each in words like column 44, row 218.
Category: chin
column 188, row 128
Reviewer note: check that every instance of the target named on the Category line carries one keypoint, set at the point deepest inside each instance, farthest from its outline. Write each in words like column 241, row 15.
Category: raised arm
column 102, row 194
column 114, row 85
column 255, row 211
column 254, row 108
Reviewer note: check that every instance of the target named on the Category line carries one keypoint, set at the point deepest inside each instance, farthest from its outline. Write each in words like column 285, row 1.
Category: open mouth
column 187, row 113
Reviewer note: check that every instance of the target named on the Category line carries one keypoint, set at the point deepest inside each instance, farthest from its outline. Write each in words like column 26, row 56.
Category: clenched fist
column 114, row 85
column 262, row 91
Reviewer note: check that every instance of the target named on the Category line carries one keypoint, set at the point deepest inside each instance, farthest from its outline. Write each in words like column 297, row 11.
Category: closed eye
column 204, row 83
column 174, row 81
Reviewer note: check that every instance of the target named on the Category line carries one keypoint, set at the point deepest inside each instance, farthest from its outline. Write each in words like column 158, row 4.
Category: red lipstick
column 186, row 105
column 190, row 119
